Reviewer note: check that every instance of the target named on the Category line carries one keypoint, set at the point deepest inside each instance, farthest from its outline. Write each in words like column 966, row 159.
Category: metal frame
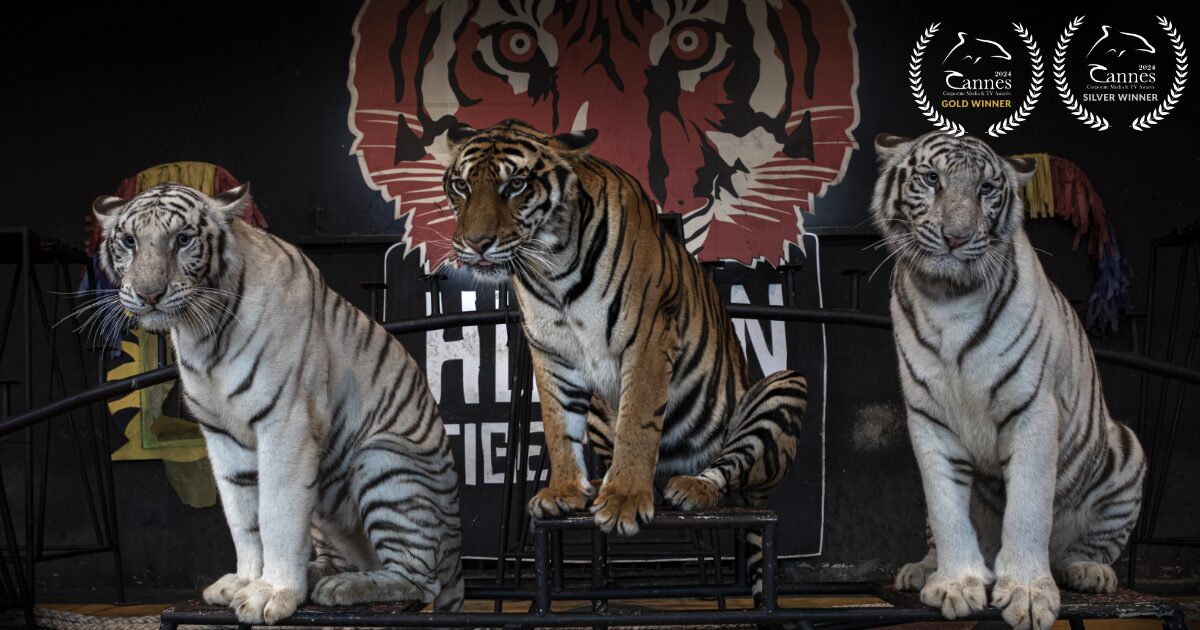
column 836, row 316
column 1157, row 433
column 26, row 251
column 904, row 607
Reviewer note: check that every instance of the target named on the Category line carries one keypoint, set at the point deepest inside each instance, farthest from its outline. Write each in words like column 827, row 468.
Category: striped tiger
column 632, row 348
column 321, row 430
column 1002, row 391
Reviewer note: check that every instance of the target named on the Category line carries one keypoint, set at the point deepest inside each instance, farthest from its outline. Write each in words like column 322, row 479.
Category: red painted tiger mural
column 735, row 114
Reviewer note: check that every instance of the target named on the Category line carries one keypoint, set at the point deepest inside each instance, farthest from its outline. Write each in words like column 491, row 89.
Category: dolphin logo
column 1137, row 40
column 1003, row 54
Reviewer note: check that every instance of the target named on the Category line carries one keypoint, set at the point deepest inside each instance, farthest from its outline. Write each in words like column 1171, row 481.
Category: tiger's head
column 946, row 205
column 169, row 250
column 513, row 191
column 735, row 114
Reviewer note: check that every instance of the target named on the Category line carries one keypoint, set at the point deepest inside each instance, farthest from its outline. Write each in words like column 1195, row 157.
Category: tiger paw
column 912, row 576
column 621, row 510
column 554, row 501
column 956, row 596
column 1090, row 577
column 221, row 592
column 259, row 602
column 343, row 589
column 692, row 493
column 1027, row 605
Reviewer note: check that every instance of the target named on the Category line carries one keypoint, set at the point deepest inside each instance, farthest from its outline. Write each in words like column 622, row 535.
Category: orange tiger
column 632, row 348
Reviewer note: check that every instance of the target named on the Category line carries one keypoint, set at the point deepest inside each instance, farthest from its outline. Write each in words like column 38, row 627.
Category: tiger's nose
column 479, row 243
column 954, row 241
column 150, row 297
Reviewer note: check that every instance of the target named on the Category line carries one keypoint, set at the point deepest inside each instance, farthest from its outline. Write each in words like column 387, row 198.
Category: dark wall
column 97, row 95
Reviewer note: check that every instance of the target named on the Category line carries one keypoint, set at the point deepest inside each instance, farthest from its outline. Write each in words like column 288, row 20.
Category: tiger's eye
column 183, row 239
column 128, row 241
column 931, row 178
column 459, row 185
column 516, row 185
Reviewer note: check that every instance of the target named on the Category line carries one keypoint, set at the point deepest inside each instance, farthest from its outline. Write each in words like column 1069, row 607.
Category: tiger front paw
column 692, row 493
column 554, row 501
column 912, row 576
column 261, row 602
column 1027, row 604
column 221, row 592
column 622, row 509
column 957, row 596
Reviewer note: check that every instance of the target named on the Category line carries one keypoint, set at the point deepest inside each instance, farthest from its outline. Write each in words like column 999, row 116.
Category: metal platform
column 550, row 586
column 1076, row 608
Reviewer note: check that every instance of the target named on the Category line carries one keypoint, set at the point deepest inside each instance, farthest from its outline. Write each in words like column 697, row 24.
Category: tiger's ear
column 459, row 135
column 888, row 145
column 1024, row 166
column 575, row 142
column 107, row 209
column 232, row 203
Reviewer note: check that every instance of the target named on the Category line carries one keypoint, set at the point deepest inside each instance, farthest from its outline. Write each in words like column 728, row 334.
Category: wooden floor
column 106, row 610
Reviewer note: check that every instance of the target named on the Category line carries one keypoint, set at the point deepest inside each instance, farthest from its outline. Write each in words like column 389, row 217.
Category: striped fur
column 1002, row 391
column 320, row 428
column 632, row 348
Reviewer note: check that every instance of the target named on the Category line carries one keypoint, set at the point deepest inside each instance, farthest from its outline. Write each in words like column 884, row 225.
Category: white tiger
column 1002, row 392
column 314, row 416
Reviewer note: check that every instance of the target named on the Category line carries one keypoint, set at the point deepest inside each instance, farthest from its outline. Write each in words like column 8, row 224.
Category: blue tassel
column 1110, row 296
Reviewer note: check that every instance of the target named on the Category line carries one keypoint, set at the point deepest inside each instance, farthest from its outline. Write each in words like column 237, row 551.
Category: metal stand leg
column 541, row 558
column 770, row 600
column 599, row 566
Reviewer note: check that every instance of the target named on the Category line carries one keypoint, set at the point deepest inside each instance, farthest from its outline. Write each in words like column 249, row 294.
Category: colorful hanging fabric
column 1060, row 188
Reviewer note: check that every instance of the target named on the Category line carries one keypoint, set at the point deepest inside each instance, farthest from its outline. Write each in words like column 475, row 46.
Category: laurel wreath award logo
column 965, row 81
column 1121, row 67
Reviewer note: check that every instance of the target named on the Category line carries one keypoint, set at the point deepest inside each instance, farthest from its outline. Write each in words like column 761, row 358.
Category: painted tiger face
column 512, row 189
column 944, row 204
column 735, row 114
column 167, row 250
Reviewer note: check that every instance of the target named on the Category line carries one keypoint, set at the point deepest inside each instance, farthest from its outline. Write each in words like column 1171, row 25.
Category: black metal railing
column 484, row 318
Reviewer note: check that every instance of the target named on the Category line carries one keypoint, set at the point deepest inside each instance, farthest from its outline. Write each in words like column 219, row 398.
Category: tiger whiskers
column 209, row 311
column 1037, row 249
column 101, row 308
column 993, row 267
column 526, row 268
column 113, row 323
column 906, row 246
column 889, row 240
column 527, row 252
column 91, row 305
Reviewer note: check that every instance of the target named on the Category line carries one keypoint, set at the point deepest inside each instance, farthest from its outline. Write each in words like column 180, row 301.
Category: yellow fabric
column 199, row 175
column 1038, row 192
column 135, row 449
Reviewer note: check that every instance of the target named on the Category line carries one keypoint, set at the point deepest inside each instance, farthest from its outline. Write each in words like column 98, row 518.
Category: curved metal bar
column 485, row 318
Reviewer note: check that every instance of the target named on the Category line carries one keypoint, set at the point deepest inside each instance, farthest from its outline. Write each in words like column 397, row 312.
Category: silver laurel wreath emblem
column 1035, row 86
column 1058, row 67
column 918, row 89
column 1158, row 113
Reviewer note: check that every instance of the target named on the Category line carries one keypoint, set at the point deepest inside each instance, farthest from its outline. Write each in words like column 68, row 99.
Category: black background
column 94, row 94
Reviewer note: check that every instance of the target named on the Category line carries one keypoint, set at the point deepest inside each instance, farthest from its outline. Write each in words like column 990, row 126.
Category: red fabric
column 225, row 181
column 1076, row 200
